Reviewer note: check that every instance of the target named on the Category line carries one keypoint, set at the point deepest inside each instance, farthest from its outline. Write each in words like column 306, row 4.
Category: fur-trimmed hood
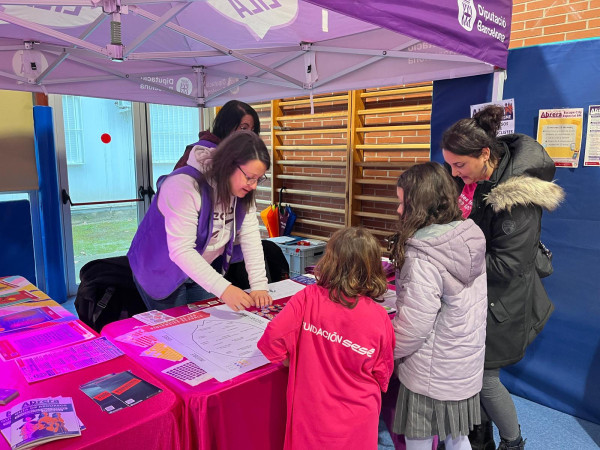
column 525, row 190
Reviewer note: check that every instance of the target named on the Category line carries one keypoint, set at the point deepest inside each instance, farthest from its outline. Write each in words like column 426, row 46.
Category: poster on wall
column 508, row 121
column 592, row 140
column 559, row 131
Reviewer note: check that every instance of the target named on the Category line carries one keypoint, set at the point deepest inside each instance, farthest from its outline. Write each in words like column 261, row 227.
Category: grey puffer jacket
column 442, row 303
column 508, row 209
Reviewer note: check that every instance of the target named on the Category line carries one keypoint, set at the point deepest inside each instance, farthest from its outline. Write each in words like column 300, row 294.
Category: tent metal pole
column 53, row 33
column 155, row 27
column 224, row 50
column 498, row 86
column 64, row 56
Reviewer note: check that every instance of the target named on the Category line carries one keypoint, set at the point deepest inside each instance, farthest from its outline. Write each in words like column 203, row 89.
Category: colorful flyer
column 592, row 140
column 40, row 420
column 559, row 131
column 13, row 284
column 14, row 298
column 119, row 390
column 40, row 340
column 67, row 359
column 29, row 318
column 162, row 351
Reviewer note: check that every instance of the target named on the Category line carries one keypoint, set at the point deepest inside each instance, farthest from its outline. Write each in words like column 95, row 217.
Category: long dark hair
column 234, row 151
column 351, row 267
column 229, row 117
column 430, row 196
column 468, row 137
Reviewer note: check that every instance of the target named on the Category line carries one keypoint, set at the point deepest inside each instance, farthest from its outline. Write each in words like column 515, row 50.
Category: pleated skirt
column 418, row 416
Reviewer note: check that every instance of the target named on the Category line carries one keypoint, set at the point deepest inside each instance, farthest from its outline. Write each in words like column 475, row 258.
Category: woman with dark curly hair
column 505, row 183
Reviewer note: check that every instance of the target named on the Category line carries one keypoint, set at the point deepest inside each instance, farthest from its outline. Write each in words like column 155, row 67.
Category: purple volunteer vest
column 149, row 253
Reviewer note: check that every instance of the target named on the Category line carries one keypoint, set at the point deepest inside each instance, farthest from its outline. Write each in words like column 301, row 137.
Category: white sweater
column 180, row 202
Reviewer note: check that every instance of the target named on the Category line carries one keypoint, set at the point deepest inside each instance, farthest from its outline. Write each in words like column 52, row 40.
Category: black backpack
column 275, row 263
column 107, row 292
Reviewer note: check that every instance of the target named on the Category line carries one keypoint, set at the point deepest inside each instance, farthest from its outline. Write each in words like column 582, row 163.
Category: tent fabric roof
column 204, row 53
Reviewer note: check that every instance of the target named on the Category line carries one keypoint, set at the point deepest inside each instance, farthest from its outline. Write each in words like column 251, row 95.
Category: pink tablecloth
column 247, row 412
column 151, row 424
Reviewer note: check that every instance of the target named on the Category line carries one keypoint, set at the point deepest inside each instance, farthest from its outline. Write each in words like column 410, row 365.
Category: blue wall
column 562, row 366
column 49, row 204
column 16, row 240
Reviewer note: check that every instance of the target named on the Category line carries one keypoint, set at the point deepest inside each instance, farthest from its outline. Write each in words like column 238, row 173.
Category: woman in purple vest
column 233, row 116
column 197, row 222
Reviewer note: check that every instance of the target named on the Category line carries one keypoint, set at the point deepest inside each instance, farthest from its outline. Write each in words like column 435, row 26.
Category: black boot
column 482, row 437
column 517, row 444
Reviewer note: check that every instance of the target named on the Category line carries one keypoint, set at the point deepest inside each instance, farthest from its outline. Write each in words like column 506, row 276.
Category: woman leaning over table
column 505, row 183
column 198, row 224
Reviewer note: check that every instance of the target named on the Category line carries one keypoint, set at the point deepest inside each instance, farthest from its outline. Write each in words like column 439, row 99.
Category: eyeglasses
column 251, row 181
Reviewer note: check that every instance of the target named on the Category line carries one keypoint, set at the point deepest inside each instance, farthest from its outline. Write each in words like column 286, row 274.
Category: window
column 13, row 196
column 73, row 129
column 172, row 128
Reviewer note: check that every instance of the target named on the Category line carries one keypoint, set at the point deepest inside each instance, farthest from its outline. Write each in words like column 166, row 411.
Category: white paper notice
column 284, row 289
column 592, row 141
column 507, row 126
column 223, row 343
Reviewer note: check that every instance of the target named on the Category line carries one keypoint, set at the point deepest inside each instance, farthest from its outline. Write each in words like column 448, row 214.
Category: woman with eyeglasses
column 233, row 116
column 198, row 224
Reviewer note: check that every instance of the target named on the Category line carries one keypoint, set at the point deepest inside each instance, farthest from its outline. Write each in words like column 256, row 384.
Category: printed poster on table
column 507, row 126
column 560, row 132
column 220, row 341
column 592, row 141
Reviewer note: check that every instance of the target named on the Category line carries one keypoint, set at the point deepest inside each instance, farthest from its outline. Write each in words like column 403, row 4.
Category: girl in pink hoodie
column 339, row 344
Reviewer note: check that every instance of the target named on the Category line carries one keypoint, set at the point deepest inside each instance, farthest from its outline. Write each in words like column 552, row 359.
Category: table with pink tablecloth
column 151, row 424
column 247, row 412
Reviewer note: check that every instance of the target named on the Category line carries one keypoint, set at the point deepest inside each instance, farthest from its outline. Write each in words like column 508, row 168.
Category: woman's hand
column 261, row 298
column 237, row 299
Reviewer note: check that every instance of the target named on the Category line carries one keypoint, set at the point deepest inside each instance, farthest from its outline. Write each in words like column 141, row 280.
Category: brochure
column 32, row 318
column 116, row 391
column 40, row 420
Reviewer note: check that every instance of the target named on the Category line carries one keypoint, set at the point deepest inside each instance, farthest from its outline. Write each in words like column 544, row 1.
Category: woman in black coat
column 505, row 183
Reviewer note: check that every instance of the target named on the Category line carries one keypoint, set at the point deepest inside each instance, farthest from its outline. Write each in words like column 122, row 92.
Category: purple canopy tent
column 204, row 53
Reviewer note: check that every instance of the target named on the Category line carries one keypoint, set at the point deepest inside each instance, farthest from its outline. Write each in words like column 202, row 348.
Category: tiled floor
column 544, row 429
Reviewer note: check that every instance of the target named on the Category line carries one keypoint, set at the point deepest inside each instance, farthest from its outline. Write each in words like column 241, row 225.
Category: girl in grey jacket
column 440, row 326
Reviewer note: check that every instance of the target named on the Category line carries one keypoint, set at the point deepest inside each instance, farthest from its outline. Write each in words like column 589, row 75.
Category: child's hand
column 261, row 298
column 237, row 299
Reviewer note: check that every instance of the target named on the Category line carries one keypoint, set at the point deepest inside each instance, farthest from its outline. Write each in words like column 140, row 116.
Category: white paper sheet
column 223, row 343
column 284, row 288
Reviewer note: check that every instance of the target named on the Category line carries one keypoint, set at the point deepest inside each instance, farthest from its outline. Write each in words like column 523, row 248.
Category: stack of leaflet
column 40, row 420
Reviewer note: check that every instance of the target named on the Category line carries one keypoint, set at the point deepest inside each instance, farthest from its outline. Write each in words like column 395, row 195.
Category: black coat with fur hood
column 508, row 208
